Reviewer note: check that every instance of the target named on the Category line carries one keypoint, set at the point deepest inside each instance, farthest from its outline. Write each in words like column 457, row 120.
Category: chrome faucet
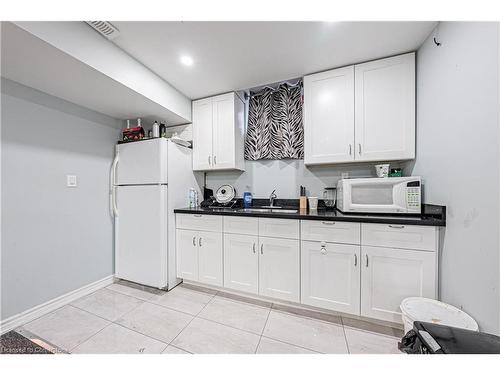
column 272, row 197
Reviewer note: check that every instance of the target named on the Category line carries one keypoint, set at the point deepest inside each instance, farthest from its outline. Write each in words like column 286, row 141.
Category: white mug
column 313, row 203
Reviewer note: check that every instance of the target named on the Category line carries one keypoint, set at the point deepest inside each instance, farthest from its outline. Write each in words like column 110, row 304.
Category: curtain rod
column 273, row 89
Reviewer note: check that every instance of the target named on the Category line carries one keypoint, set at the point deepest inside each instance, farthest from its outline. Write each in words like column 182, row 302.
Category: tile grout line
column 288, row 343
column 187, row 325
column 118, row 324
column 345, row 336
column 263, row 329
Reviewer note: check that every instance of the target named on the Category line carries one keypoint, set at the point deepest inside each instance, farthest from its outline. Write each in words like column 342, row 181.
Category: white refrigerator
column 148, row 180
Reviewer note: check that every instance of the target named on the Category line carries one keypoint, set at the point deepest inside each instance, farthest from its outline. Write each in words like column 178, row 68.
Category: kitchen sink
column 274, row 209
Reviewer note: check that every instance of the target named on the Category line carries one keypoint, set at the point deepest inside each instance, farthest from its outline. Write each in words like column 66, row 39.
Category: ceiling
column 32, row 62
column 240, row 55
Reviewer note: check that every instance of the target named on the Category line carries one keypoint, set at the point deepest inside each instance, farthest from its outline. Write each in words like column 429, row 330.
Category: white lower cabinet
column 199, row 256
column 187, row 254
column 241, row 262
column 279, row 268
column 389, row 275
column 359, row 269
column 210, row 258
column 330, row 276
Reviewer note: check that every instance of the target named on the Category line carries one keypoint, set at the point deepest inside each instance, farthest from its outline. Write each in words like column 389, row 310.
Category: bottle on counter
column 156, row 130
column 193, row 198
column 247, row 199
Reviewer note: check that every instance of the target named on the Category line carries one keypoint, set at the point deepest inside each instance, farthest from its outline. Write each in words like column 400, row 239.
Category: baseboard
column 295, row 305
column 49, row 306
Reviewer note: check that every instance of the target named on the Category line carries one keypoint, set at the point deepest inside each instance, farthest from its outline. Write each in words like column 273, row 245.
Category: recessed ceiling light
column 187, row 60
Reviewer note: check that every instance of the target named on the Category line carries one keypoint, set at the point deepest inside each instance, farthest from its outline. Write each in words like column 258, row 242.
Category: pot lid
column 225, row 194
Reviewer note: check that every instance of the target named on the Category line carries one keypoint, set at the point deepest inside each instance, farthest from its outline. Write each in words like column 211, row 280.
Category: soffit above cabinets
column 34, row 62
column 231, row 56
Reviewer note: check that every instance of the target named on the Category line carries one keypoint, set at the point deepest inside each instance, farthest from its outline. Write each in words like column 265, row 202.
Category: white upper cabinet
column 385, row 109
column 218, row 133
column 363, row 112
column 202, row 134
column 329, row 116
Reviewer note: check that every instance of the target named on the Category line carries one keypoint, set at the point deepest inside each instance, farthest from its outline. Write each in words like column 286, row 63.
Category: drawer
column 241, row 225
column 283, row 228
column 400, row 236
column 330, row 231
column 210, row 223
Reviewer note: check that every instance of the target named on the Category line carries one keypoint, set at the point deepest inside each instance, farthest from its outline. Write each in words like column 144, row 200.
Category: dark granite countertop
column 432, row 215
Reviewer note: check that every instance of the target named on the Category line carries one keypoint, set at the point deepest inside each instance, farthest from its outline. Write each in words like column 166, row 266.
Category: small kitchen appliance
column 400, row 195
column 329, row 196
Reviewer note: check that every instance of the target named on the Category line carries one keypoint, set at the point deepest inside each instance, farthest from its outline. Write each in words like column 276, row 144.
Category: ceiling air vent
column 106, row 29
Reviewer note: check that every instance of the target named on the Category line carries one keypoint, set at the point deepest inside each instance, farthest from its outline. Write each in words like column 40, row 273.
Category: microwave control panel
column 413, row 197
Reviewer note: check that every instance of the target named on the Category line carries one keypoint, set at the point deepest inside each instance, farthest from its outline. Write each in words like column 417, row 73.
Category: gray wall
column 262, row 177
column 54, row 239
column 458, row 157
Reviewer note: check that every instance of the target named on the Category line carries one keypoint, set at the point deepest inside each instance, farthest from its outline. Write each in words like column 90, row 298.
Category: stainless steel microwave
column 380, row 195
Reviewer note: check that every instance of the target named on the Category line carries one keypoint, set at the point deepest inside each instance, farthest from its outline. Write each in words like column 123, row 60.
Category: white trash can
column 432, row 311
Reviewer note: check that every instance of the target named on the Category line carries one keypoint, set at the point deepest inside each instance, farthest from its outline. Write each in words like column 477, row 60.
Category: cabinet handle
column 328, row 222
column 350, row 149
column 355, row 260
column 253, row 248
column 396, row 226
column 366, row 260
column 199, row 242
column 197, row 215
column 323, row 250
column 215, row 159
column 359, row 148
column 209, row 160
column 262, row 249
column 194, row 241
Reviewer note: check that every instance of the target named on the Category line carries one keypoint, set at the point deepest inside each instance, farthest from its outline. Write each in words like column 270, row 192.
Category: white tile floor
column 124, row 319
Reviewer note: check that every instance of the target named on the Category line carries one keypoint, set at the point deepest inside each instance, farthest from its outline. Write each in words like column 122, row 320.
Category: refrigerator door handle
column 112, row 181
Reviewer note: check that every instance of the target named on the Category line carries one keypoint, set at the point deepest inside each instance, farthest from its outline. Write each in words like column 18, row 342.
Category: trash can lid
column 429, row 310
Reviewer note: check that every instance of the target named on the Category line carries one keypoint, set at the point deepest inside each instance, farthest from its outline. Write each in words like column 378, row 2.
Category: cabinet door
column 187, row 254
column 241, row 262
column 389, row 275
column 385, row 109
column 210, row 258
column 279, row 268
column 329, row 116
column 223, row 132
column 202, row 134
column 331, row 276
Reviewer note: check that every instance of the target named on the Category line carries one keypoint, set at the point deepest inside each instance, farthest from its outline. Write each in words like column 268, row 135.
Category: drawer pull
column 328, row 222
column 355, row 260
column 253, row 248
column 197, row 215
column 194, row 241
column 396, row 226
column 199, row 242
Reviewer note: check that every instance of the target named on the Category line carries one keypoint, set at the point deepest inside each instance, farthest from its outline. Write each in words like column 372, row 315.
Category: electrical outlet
column 345, row 174
column 71, row 180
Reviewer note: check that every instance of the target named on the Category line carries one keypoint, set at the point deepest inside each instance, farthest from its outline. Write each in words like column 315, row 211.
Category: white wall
column 458, row 157
column 54, row 239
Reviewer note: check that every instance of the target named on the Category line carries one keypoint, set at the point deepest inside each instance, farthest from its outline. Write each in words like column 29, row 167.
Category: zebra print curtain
column 275, row 129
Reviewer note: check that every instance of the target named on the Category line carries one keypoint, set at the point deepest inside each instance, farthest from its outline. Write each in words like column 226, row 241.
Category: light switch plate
column 71, row 180
column 345, row 174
